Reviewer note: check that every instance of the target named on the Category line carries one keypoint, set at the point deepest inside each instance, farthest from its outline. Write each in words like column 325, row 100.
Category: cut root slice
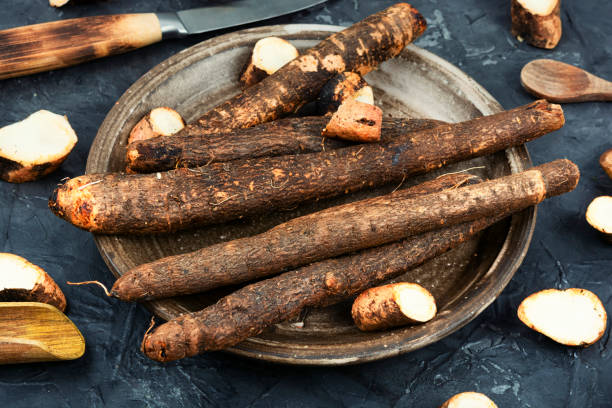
column 469, row 400
column 22, row 281
column 355, row 121
column 599, row 215
column 605, row 160
column 537, row 21
column 573, row 317
column 393, row 305
column 269, row 55
column 58, row 3
column 162, row 121
column 34, row 147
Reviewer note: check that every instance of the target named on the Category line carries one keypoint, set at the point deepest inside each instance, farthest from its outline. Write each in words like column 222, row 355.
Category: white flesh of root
column 599, row 214
column 573, row 317
column 272, row 53
column 415, row 302
column 365, row 95
column 469, row 400
column 42, row 137
column 58, row 3
column 166, row 121
column 161, row 121
column 18, row 273
column 539, row 7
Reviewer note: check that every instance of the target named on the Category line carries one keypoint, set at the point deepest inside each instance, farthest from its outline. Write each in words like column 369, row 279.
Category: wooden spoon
column 560, row 82
column 33, row 332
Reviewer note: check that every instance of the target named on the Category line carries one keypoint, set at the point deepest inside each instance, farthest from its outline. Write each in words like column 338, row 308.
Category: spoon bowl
column 559, row 82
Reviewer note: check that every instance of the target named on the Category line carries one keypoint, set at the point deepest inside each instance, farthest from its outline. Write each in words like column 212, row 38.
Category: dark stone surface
column 494, row 354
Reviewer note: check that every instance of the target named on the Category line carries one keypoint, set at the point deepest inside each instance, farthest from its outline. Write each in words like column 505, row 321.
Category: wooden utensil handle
column 42, row 47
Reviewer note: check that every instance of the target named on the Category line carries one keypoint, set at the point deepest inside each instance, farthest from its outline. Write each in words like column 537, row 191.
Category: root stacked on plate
column 235, row 179
column 219, row 192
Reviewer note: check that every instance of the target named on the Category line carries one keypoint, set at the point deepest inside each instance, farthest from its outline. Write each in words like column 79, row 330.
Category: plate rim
column 518, row 158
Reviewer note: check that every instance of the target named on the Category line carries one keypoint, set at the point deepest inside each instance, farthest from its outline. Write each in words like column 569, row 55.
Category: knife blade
column 58, row 44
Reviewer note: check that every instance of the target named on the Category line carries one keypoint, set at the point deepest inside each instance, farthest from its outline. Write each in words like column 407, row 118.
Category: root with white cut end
column 22, row 281
column 161, row 121
column 537, row 21
column 342, row 87
column 35, row 147
column 269, row 55
column 393, row 305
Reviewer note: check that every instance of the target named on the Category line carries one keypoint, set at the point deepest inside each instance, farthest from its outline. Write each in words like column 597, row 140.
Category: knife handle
column 43, row 47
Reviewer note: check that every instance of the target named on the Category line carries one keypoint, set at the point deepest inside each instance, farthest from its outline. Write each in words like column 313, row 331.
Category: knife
column 47, row 46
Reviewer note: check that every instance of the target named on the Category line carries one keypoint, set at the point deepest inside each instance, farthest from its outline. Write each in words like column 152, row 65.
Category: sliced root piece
column 599, row 215
column 605, row 160
column 341, row 88
column 396, row 304
column 469, row 400
column 537, row 21
column 573, row 317
column 162, row 121
column 35, row 147
column 269, row 55
column 22, row 281
column 355, row 121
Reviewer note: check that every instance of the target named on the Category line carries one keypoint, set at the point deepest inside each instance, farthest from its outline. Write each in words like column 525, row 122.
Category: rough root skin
column 278, row 138
column 339, row 230
column 359, row 48
column 219, row 192
column 539, row 31
column 337, row 90
column 249, row 310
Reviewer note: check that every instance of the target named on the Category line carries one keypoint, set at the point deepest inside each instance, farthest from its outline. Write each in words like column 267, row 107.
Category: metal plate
column 416, row 84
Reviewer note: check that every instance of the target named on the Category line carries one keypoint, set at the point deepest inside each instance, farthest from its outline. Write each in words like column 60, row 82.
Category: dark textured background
column 494, row 354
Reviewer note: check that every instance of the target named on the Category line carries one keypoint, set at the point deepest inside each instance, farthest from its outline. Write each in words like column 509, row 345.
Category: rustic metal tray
column 416, row 84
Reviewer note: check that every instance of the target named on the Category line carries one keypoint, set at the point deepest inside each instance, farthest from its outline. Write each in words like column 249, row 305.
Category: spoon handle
column 601, row 89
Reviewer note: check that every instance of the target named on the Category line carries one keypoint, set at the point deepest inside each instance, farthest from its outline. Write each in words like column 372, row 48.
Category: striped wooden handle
column 43, row 47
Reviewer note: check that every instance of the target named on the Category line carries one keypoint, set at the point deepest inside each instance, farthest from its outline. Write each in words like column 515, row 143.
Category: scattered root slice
column 537, row 21
column 605, row 160
column 35, row 147
column 599, row 215
column 268, row 56
column 162, row 121
column 22, row 281
column 355, row 121
column 573, row 317
column 392, row 305
column 469, row 400
column 341, row 88
column 58, row 3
